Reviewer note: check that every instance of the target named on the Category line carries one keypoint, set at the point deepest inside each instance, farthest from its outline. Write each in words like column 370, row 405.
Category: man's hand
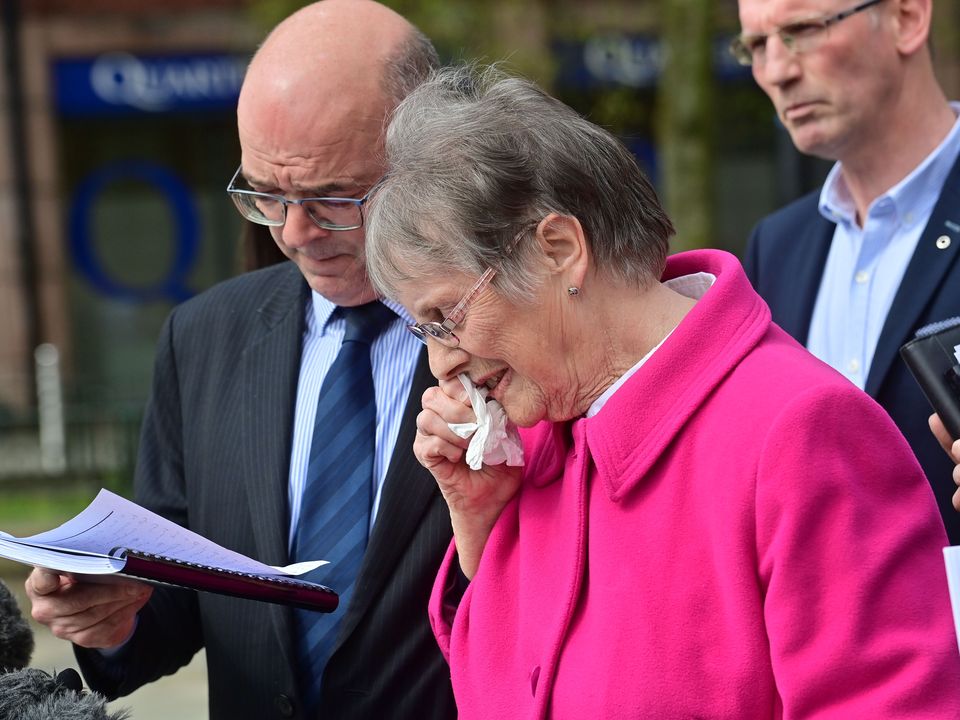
column 92, row 615
column 952, row 448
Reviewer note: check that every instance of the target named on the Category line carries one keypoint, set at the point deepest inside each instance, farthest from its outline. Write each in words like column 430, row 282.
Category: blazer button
column 943, row 242
column 534, row 679
column 284, row 705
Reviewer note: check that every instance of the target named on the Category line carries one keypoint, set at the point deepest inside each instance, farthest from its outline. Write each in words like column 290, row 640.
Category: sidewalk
column 182, row 695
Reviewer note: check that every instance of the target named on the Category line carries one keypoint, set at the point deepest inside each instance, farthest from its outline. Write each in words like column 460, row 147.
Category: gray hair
column 409, row 65
column 476, row 157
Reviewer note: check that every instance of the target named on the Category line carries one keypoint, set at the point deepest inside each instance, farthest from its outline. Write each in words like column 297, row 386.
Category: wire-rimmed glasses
column 799, row 36
column 330, row 213
column 442, row 331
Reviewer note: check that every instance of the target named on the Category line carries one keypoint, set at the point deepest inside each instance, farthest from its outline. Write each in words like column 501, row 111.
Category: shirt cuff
column 111, row 652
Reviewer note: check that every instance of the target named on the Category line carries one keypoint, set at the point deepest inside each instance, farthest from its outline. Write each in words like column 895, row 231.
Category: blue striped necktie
column 337, row 497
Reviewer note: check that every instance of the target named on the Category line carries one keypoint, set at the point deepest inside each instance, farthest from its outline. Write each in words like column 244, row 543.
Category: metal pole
column 53, row 438
column 23, row 209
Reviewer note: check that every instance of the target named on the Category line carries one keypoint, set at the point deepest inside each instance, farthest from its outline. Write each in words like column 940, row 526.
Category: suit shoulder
column 245, row 292
column 775, row 237
column 801, row 210
column 239, row 298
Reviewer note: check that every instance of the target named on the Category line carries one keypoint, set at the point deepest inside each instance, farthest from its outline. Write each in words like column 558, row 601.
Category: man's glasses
column 442, row 331
column 799, row 36
column 330, row 213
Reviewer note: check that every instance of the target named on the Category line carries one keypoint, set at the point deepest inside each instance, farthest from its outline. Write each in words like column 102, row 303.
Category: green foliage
column 685, row 118
column 459, row 28
column 28, row 511
column 621, row 110
column 266, row 14
column 745, row 121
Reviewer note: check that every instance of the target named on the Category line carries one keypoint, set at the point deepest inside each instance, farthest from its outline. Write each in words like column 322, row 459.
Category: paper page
column 72, row 562
column 111, row 523
column 951, row 556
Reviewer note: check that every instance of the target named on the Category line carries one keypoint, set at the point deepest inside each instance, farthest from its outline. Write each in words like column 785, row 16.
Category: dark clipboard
column 266, row 588
column 931, row 359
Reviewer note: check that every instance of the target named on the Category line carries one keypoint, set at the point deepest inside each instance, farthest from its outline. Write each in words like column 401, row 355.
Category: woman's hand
column 475, row 497
column 951, row 448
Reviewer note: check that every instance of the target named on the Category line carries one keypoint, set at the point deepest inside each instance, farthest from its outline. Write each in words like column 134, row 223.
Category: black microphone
column 16, row 637
column 69, row 679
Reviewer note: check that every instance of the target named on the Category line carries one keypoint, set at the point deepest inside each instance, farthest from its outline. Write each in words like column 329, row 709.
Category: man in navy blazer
column 853, row 270
column 228, row 428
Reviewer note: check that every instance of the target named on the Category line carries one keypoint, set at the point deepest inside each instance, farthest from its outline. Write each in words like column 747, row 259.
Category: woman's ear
column 564, row 247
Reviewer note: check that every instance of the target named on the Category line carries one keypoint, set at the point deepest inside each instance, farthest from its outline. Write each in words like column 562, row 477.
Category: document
column 113, row 535
column 951, row 556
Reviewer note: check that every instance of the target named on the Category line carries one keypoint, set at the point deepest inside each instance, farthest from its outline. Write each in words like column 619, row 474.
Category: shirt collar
column 693, row 286
column 322, row 311
column 914, row 196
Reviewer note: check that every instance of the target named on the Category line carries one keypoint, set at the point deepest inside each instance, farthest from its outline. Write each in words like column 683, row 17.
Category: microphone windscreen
column 32, row 694
column 16, row 637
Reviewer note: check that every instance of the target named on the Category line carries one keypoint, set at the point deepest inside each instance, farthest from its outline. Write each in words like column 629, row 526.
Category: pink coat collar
column 721, row 329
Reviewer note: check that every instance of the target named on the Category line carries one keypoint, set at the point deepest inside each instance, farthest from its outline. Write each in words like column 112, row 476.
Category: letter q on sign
column 172, row 286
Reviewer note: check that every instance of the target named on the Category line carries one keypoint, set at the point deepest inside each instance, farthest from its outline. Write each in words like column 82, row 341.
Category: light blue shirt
column 866, row 264
column 394, row 357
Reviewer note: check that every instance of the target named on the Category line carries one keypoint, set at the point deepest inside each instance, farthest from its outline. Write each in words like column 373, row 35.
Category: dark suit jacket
column 785, row 260
column 214, row 456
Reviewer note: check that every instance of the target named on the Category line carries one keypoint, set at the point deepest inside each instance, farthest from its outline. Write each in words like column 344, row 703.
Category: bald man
column 227, row 436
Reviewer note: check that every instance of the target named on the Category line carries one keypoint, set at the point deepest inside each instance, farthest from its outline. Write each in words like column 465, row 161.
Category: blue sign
column 627, row 60
column 173, row 286
column 121, row 83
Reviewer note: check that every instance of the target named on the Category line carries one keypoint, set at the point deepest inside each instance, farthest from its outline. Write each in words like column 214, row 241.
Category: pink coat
column 739, row 533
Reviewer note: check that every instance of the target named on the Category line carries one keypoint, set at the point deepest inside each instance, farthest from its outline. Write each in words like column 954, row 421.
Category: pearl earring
column 573, row 290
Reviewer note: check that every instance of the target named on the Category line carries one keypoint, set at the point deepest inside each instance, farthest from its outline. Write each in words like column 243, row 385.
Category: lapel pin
column 943, row 242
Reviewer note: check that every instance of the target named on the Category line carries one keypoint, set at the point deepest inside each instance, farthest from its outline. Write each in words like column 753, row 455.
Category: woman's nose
column 446, row 362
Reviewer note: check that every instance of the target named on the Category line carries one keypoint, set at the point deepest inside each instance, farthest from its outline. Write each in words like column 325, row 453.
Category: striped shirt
column 394, row 357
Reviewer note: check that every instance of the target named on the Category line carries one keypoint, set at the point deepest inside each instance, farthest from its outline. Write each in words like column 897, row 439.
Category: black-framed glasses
column 330, row 213
column 442, row 331
column 799, row 36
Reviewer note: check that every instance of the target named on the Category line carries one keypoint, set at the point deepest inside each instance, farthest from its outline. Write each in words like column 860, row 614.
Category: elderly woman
column 710, row 523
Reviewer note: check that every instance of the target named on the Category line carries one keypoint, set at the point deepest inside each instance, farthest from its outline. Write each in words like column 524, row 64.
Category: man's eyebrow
column 314, row 191
column 335, row 186
column 255, row 182
column 332, row 188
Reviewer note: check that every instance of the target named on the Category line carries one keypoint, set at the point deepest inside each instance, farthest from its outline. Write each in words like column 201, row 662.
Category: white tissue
column 495, row 439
